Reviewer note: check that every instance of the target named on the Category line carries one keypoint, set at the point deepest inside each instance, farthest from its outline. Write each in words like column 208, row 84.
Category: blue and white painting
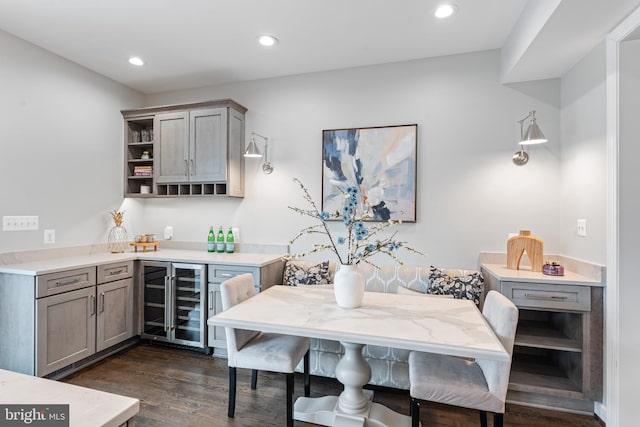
column 380, row 162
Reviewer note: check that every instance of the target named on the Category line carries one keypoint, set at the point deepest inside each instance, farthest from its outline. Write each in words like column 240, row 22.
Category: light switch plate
column 19, row 223
column 168, row 232
column 581, row 227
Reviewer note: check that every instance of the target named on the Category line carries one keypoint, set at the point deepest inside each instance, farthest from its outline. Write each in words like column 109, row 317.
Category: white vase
column 348, row 286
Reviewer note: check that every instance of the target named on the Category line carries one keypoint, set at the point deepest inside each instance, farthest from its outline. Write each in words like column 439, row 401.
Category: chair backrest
column 502, row 316
column 232, row 292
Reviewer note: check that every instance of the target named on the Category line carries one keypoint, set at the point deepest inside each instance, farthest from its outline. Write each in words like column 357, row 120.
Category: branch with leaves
column 359, row 240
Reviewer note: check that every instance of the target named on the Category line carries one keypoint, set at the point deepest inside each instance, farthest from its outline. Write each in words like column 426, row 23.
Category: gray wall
column 61, row 148
column 470, row 195
column 584, row 157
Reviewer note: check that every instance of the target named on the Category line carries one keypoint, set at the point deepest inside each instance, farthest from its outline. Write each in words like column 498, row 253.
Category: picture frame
column 380, row 161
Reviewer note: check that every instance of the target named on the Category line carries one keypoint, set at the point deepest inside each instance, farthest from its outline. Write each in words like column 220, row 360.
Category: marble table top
column 87, row 407
column 422, row 323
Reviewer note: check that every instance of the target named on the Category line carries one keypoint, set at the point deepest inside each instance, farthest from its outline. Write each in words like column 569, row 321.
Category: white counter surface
column 524, row 274
column 87, row 407
column 52, row 265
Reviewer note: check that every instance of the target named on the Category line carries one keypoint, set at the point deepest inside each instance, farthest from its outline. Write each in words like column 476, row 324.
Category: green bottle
column 220, row 241
column 211, row 241
column 231, row 246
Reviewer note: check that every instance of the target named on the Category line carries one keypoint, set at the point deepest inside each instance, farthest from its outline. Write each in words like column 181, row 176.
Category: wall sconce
column 532, row 136
column 254, row 151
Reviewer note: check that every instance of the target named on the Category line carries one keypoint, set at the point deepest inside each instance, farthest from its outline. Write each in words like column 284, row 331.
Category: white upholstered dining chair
column 260, row 351
column 476, row 384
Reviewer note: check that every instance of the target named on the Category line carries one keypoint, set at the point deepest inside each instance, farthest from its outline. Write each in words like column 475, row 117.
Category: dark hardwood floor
column 184, row 388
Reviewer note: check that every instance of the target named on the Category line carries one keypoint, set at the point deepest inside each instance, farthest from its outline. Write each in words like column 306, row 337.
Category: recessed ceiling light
column 445, row 10
column 267, row 40
column 134, row 60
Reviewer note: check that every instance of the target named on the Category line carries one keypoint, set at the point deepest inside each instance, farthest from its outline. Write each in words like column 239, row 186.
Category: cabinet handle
column 210, row 300
column 114, row 272
column 172, row 299
column 166, row 303
column 102, row 302
column 546, row 297
column 191, row 168
column 92, row 304
column 67, row 282
column 226, row 275
column 186, row 167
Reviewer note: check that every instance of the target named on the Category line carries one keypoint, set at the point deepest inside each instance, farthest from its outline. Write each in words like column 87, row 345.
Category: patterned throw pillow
column 297, row 274
column 461, row 287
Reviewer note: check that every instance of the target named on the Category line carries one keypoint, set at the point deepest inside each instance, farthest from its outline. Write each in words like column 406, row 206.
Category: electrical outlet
column 236, row 234
column 49, row 236
column 19, row 223
column 581, row 228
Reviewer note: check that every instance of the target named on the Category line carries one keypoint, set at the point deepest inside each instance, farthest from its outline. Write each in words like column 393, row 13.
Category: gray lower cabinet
column 55, row 320
column 115, row 314
column 65, row 330
column 263, row 278
column 557, row 357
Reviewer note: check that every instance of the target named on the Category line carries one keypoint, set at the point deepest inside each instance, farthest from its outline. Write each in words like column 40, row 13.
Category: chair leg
column 232, row 392
column 254, row 379
column 415, row 412
column 290, row 377
column 498, row 420
column 483, row 418
column 307, row 376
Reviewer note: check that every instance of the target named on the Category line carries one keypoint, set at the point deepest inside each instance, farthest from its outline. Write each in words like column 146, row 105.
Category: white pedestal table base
column 354, row 407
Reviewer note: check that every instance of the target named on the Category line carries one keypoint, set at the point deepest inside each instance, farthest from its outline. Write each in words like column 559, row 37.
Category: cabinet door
column 208, row 145
column 115, row 313
column 172, row 147
column 216, row 337
column 65, row 329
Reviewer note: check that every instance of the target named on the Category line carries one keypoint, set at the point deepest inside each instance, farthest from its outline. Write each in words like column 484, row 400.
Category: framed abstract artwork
column 380, row 162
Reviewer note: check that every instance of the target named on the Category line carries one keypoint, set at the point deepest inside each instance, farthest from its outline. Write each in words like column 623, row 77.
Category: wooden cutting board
column 518, row 245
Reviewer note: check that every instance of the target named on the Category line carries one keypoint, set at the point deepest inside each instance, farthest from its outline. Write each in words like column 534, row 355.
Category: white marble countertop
column 87, row 407
column 423, row 323
column 74, row 260
column 524, row 274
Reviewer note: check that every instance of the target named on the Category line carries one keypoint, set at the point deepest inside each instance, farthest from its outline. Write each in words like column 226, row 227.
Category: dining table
column 414, row 322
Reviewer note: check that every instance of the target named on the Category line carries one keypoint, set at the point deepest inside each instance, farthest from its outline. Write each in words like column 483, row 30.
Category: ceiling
column 194, row 43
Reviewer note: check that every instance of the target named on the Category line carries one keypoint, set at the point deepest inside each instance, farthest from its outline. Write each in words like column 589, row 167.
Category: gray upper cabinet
column 172, row 153
column 194, row 150
column 208, row 145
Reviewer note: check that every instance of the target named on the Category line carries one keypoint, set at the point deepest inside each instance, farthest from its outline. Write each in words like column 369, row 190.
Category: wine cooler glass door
column 156, row 301
column 189, row 307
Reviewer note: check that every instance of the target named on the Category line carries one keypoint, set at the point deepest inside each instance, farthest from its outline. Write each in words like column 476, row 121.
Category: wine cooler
column 174, row 303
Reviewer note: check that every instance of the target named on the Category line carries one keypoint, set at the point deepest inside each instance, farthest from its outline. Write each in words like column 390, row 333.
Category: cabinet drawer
column 220, row 273
column 115, row 271
column 65, row 281
column 548, row 296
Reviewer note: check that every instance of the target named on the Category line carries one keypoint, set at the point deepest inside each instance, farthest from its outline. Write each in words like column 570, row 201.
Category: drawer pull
column 546, row 297
column 210, row 300
column 68, row 282
column 227, row 275
column 114, row 272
